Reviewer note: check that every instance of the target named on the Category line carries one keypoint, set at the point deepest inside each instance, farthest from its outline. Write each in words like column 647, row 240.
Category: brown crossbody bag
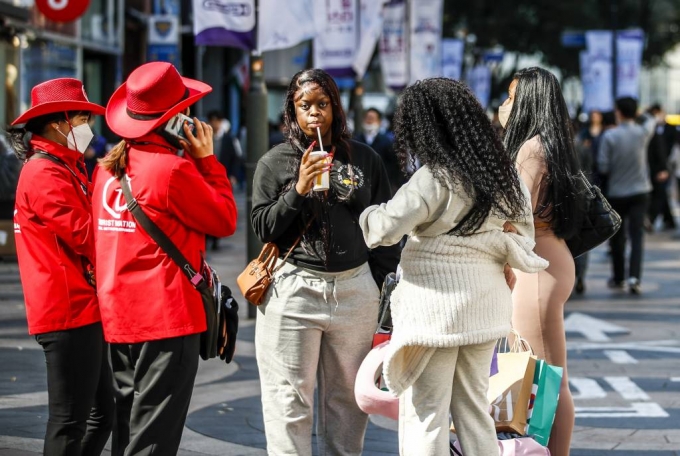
column 256, row 278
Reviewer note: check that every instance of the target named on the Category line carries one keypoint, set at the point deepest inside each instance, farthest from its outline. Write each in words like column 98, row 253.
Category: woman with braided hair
column 453, row 300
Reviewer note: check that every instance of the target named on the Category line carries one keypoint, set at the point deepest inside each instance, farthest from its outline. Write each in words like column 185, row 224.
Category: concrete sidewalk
column 225, row 416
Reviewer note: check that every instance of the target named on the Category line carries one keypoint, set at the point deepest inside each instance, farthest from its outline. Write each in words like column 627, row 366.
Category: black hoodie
column 334, row 241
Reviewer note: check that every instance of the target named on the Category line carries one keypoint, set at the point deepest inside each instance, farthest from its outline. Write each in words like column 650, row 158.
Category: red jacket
column 143, row 295
column 55, row 241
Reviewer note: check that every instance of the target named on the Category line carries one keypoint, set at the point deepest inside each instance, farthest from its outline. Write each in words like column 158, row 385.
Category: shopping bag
column 547, row 381
column 510, row 391
column 521, row 446
column 494, row 362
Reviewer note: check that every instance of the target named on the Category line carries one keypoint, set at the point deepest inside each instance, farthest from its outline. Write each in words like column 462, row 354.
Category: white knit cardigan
column 452, row 291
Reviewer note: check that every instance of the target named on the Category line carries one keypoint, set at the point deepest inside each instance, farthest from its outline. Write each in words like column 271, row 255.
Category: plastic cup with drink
column 323, row 180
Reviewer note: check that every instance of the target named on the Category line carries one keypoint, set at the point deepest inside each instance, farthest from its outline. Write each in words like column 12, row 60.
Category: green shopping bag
column 545, row 394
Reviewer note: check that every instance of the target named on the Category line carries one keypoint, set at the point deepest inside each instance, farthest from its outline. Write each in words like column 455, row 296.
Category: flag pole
column 257, row 138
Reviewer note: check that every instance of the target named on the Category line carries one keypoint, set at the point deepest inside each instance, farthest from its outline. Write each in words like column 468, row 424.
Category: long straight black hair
column 539, row 110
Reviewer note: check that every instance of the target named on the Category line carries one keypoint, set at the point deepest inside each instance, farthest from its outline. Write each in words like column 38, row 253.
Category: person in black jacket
column 317, row 319
column 381, row 143
column 658, row 153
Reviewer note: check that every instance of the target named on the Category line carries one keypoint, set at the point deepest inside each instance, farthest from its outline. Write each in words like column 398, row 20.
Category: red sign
column 62, row 10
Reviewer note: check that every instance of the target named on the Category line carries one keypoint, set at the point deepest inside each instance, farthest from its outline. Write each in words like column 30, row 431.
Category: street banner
column 335, row 42
column 596, row 78
column 629, row 48
column 393, row 45
column 370, row 27
column 479, row 80
column 452, row 58
column 282, row 26
column 599, row 43
column 596, row 71
column 224, row 23
column 163, row 39
column 425, row 40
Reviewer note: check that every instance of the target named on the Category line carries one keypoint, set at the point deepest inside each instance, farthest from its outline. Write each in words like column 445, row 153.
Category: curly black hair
column 440, row 123
column 539, row 110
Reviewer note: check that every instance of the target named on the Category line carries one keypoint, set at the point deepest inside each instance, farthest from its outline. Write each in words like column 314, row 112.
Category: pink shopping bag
column 521, row 446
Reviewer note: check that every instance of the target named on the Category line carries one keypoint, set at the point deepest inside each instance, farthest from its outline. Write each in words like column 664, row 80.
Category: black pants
column 79, row 389
column 632, row 210
column 154, row 381
column 659, row 205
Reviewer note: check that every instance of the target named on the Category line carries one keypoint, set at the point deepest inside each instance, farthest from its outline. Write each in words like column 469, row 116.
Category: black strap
column 41, row 154
column 163, row 241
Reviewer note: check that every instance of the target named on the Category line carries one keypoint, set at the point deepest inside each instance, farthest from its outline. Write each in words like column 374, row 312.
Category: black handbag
column 599, row 221
column 221, row 309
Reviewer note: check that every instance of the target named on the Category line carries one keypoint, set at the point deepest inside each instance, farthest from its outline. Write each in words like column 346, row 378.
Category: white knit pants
column 455, row 380
column 314, row 327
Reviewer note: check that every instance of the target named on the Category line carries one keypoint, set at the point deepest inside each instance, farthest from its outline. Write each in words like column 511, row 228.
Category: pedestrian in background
column 452, row 303
column 658, row 155
column 538, row 136
column 317, row 320
column 622, row 158
column 227, row 149
column 56, row 253
column 152, row 314
column 370, row 134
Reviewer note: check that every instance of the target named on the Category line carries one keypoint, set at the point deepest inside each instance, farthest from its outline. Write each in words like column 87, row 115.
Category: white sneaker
column 634, row 286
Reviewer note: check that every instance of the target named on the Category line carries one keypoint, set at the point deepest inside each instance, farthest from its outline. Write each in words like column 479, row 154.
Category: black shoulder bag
column 599, row 223
column 221, row 310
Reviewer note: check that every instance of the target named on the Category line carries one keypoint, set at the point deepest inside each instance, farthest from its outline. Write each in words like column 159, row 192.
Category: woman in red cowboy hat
column 152, row 314
column 55, row 248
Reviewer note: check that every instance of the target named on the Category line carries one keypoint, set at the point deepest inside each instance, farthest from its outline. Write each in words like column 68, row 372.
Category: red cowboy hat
column 58, row 95
column 152, row 94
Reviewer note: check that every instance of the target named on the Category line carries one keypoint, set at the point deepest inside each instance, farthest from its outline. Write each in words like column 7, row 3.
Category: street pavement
column 624, row 366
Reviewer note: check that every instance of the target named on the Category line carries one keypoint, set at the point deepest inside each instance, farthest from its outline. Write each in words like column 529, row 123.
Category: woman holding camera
column 152, row 314
column 317, row 320
column 55, row 249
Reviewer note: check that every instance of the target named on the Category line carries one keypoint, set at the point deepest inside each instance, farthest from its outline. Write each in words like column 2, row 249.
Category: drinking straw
column 318, row 131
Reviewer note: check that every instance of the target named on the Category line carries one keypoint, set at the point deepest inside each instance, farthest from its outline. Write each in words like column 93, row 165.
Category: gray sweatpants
column 314, row 327
column 455, row 380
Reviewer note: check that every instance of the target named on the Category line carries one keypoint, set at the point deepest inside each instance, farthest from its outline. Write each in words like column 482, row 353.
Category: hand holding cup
column 311, row 166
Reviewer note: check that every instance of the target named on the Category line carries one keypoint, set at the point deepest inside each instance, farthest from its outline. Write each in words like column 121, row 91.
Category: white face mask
column 371, row 129
column 80, row 138
column 504, row 114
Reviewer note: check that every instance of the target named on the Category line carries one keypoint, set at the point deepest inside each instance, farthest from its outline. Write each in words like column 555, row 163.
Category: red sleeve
column 61, row 209
column 200, row 196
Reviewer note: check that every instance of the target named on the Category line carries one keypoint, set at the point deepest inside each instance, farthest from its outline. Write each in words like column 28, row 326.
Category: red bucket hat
column 58, row 95
column 152, row 94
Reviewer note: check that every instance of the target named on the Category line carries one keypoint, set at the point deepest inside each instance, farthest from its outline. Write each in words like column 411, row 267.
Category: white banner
column 370, row 27
column 452, row 58
column 596, row 77
column 224, row 23
column 335, row 41
column 283, row 26
column 599, row 43
column 393, row 45
column 479, row 80
column 628, row 65
column 425, row 40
